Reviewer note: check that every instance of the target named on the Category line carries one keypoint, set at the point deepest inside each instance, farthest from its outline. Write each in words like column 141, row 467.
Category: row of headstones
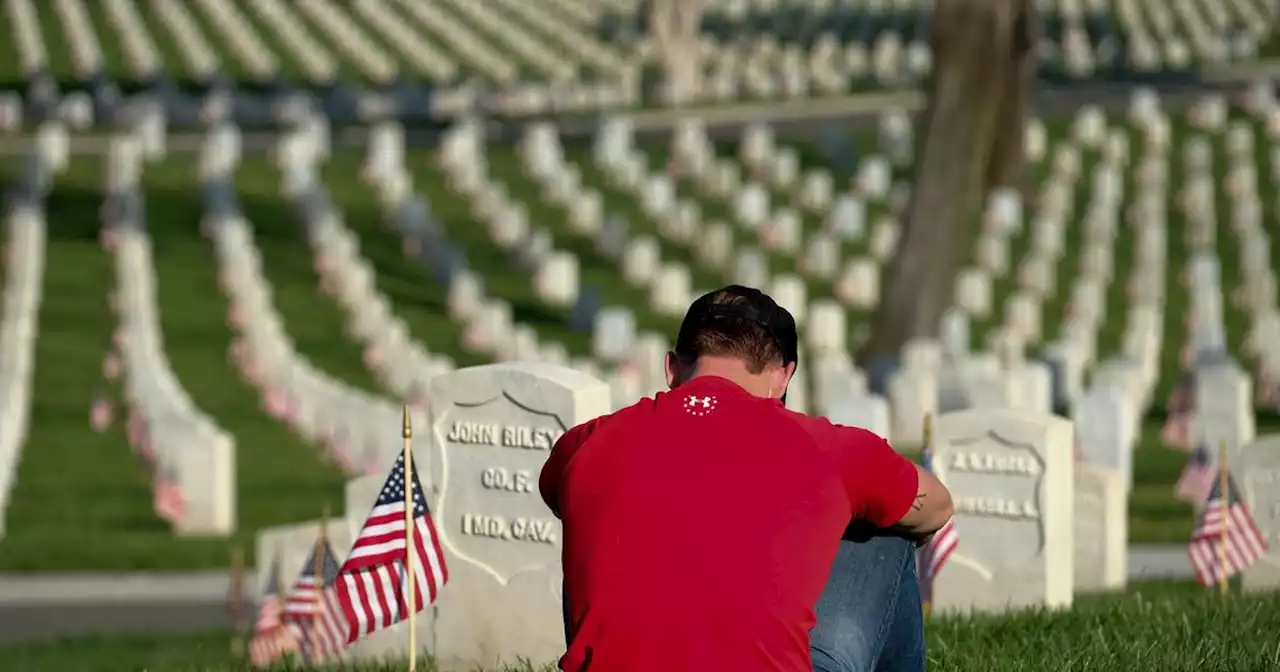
column 779, row 232
column 1074, row 347
column 338, row 25
column 378, row 163
column 351, row 425
column 768, row 66
column 487, row 321
column 758, row 145
column 1035, row 528
column 838, row 389
column 81, row 40
column 637, row 361
column 615, row 327
column 543, row 158
column 1224, row 402
column 24, row 260
column 401, row 363
column 1257, row 292
column 767, row 71
column 1220, row 39
column 630, row 360
column 1142, row 328
column 1206, row 343
column 1141, row 339
column 185, row 449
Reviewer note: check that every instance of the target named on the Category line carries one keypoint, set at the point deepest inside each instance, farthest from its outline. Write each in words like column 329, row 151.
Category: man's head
column 737, row 333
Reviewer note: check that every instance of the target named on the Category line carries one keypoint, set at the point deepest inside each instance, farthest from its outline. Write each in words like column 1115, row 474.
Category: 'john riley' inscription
column 493, row 434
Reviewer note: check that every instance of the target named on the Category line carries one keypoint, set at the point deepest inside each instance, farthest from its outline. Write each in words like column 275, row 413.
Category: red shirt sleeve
column 881, row 483
column 550, row 480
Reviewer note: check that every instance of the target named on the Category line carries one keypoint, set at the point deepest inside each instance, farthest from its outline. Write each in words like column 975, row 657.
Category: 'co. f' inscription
column 493, row 434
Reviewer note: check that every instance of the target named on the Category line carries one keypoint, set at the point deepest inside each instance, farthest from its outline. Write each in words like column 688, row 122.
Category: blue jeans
column 869, row 614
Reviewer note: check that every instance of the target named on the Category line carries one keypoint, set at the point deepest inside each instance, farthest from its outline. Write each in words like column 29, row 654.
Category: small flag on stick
column 312, row 610
column 1197, row 479
column 236, row 602
column 934, row 554
column 1226, row 540
column 271, row 639
column 397, row 540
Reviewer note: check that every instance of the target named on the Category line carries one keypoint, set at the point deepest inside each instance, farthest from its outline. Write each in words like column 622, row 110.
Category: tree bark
column 1008, row 163
column 971, row 99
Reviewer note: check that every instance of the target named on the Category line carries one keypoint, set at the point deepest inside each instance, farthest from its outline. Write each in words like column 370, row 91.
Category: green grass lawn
column 75, row 486
column 1155, row 627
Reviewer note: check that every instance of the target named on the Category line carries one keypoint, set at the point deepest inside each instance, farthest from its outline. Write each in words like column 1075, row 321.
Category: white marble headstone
column 1011, row 476
column 1257, row 471
column 493, row 427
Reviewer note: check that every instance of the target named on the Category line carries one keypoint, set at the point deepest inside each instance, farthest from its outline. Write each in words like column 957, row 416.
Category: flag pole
column 410, row 576
column 927, row 603
column 317, row 570
column 236, row 601
column 1224, row 530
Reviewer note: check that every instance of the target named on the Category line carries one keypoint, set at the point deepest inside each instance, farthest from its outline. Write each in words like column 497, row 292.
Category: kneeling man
column 703, row 527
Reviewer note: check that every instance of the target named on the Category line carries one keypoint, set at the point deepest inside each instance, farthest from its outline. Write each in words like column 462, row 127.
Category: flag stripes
column 372, row 584
column 1226, row 540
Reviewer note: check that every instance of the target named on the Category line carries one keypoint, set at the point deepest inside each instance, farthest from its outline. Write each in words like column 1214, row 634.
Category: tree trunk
column 976, row 59
column 1008, row 161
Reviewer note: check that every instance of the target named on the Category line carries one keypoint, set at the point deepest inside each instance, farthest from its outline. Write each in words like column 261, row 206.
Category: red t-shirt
column 700, row 527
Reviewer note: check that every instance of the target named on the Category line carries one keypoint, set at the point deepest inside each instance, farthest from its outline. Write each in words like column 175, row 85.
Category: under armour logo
column 699, row 406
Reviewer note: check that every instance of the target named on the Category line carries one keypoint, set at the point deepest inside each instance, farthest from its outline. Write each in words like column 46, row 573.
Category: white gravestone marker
column 1101, row 529
column 493, row 428
column 1010, row 474
column 1104, row 425
column 1257, row 469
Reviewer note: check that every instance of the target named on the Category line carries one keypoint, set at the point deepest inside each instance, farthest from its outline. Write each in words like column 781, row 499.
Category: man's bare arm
column 931, row 509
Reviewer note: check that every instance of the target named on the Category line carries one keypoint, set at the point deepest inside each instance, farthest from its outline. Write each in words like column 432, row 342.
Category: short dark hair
column 739, row 322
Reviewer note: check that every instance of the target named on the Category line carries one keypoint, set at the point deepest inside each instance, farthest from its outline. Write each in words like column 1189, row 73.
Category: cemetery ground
column 83, row 501
column 1154, row 626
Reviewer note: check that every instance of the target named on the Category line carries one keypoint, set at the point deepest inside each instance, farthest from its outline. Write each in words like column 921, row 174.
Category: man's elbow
column 943, row 508
column 947, row 510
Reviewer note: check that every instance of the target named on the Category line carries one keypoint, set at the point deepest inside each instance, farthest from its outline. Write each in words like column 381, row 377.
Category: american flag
column 1176, row 432
column 111, row 365
column 169, row 502
column 340, row 451
column 1179, row 410
column 939, row 549
column 312, row 609
column 1244, row 543
column 371, row 584
column 1182, row 396
column 1198, row 477
column 136, row 428
column 276, row 403
column 100, row 413
column 271, row 639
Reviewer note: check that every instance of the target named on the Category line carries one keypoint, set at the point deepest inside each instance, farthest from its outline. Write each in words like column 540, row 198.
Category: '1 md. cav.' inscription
column 541, row 531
